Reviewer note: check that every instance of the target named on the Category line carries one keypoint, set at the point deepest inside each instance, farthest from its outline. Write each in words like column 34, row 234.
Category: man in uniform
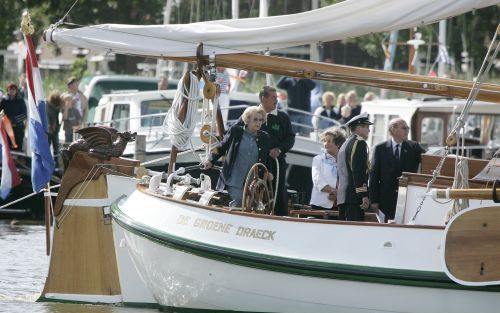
column 279, row 127
column 353, row 167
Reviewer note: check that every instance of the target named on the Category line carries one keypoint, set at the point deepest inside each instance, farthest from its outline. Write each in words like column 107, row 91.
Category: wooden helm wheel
column 258, row 191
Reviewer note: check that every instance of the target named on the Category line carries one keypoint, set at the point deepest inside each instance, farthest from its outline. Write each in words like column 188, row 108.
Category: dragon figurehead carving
column 100, row 141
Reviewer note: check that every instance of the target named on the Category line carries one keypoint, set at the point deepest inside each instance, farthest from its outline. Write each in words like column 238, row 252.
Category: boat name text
column 210, row 225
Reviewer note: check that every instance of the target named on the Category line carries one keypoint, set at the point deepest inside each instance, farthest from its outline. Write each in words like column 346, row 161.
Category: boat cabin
column 123, row 111
column 94, row 87
column 134, row 110
column 431, row 120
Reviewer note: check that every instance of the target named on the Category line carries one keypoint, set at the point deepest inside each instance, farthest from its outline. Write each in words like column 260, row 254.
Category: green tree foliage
column 473, row 32
column 85, row 12
column 89, row 12
column 10, row 22
column 10, row 12
column 475, row 29
column 79, row 67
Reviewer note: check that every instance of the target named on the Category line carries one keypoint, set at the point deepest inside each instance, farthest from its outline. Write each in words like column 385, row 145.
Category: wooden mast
column 209, row 92
column 353, row 75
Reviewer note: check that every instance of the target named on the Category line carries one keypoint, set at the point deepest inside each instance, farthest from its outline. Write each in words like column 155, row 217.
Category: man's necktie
column 396, row 152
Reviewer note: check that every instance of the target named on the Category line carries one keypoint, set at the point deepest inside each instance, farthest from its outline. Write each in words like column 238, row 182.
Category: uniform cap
column 361, row 119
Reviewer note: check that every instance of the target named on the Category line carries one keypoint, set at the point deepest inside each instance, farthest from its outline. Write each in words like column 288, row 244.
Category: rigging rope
column 180, row 132
column 149, row 36
column 61, row 21
column 69, row 204
column 435, row 174
column 461, row 178
column 461, row 181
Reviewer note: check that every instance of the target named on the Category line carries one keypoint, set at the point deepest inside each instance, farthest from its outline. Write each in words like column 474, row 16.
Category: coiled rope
column 180, row 132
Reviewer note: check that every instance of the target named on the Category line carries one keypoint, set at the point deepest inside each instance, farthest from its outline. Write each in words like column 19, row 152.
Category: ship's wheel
column 258, row 191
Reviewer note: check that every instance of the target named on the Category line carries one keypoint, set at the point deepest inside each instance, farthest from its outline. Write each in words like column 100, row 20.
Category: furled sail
column 349, row 18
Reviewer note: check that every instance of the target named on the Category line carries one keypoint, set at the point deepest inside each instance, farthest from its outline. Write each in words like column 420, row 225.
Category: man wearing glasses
column 390, row 159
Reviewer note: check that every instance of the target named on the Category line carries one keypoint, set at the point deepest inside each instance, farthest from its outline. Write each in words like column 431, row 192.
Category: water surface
column 23, row 268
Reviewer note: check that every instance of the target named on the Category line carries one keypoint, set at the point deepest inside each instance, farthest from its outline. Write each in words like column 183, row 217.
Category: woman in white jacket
column 324, row 170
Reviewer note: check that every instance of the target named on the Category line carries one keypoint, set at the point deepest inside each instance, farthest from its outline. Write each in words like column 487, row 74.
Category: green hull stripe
column 293, row 266
column 143, row 305
column 171, row 309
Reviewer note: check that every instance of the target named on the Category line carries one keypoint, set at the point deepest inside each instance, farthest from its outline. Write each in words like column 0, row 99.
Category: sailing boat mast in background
column 263, row 12
column 162, row 66
column 235, row 9
column 314, row 47
column 442, row 45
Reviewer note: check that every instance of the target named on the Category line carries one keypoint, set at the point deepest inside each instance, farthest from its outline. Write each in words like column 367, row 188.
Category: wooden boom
column 479, row 194
column 352, row 75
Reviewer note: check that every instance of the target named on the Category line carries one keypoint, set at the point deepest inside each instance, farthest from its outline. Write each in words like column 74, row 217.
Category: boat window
column 109, row 86
column 472, row 127
column 120, row 117
column 432, row 131
column 103, row 114
column 154, row 107
column 495, row 133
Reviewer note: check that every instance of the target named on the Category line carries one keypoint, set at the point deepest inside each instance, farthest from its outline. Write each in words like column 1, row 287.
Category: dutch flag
column 42, row 163
column 10, row 176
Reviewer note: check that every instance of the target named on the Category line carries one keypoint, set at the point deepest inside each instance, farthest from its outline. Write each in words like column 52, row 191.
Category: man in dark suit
column 390, row 159
column 299, row 97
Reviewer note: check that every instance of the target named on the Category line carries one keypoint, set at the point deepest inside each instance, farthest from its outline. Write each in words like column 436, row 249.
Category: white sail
column 349, row 18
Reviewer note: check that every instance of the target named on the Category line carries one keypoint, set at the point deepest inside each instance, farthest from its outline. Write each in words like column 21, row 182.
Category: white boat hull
column 196, row 258
column 183, row 280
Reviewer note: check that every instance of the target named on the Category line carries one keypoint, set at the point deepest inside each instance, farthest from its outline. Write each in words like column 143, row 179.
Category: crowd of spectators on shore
column 312, row 110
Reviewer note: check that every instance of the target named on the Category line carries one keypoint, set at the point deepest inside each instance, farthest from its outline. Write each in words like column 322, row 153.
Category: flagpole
column 42, row 162
column 48, row 217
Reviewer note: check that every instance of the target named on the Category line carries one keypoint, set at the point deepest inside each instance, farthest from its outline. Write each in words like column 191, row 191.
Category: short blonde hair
column 337, row 133
column 327, row 94
column 251, row 111
column 369, row 96
column 350, row 93
column 341, row 97
column 66, row 97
